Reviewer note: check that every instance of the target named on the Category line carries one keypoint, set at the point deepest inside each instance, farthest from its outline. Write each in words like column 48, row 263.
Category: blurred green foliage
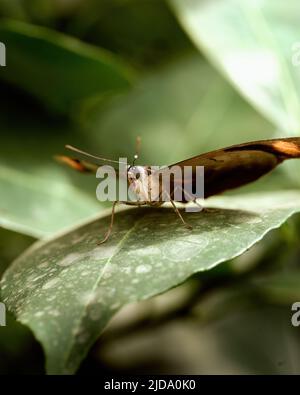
column 96, row 73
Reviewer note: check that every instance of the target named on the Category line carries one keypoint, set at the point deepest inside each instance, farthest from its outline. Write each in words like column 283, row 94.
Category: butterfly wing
column 85, row 162
column 77, row 164
column 238, row 165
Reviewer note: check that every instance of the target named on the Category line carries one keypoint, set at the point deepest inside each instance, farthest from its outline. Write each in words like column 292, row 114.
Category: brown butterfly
column 224, row 169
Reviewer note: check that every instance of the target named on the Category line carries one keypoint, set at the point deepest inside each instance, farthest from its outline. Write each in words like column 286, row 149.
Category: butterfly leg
column 111, row 224
column 180, row 216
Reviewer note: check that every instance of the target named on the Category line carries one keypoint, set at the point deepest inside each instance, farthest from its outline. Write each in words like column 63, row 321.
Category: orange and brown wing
column 238, row 165
column 80, row 165
column 86, row 163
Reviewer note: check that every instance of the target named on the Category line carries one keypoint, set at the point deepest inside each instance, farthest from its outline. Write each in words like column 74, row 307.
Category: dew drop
column 51, row 283
column 69, row 259
column 143, row 269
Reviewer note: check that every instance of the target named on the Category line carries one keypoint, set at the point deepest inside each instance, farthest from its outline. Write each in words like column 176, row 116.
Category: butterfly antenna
column 74, row 149
column 137, row 149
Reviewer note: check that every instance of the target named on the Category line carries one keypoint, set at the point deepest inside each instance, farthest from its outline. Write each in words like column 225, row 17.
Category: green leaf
column 126, row 28
column 36, row 207
column 38, row 195
column 234, row 349
column 254, row 44
column 59, row 70
column 222, row 344
column 66, row 289
column 281, row 288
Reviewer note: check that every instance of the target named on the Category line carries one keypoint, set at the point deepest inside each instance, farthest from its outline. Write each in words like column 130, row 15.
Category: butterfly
column 224, row 169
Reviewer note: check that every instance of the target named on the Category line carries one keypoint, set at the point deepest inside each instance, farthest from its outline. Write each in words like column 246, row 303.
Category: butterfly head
column 136, row 174
column 138, row 180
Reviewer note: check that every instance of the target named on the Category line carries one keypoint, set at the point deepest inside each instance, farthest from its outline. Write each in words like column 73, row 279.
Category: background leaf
column 38, row 195
column 27, row 201
column 123, row 27
column 257, row 50
column 224, row 345
column 251, row 43
column 59, row 70
column 68, row 288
